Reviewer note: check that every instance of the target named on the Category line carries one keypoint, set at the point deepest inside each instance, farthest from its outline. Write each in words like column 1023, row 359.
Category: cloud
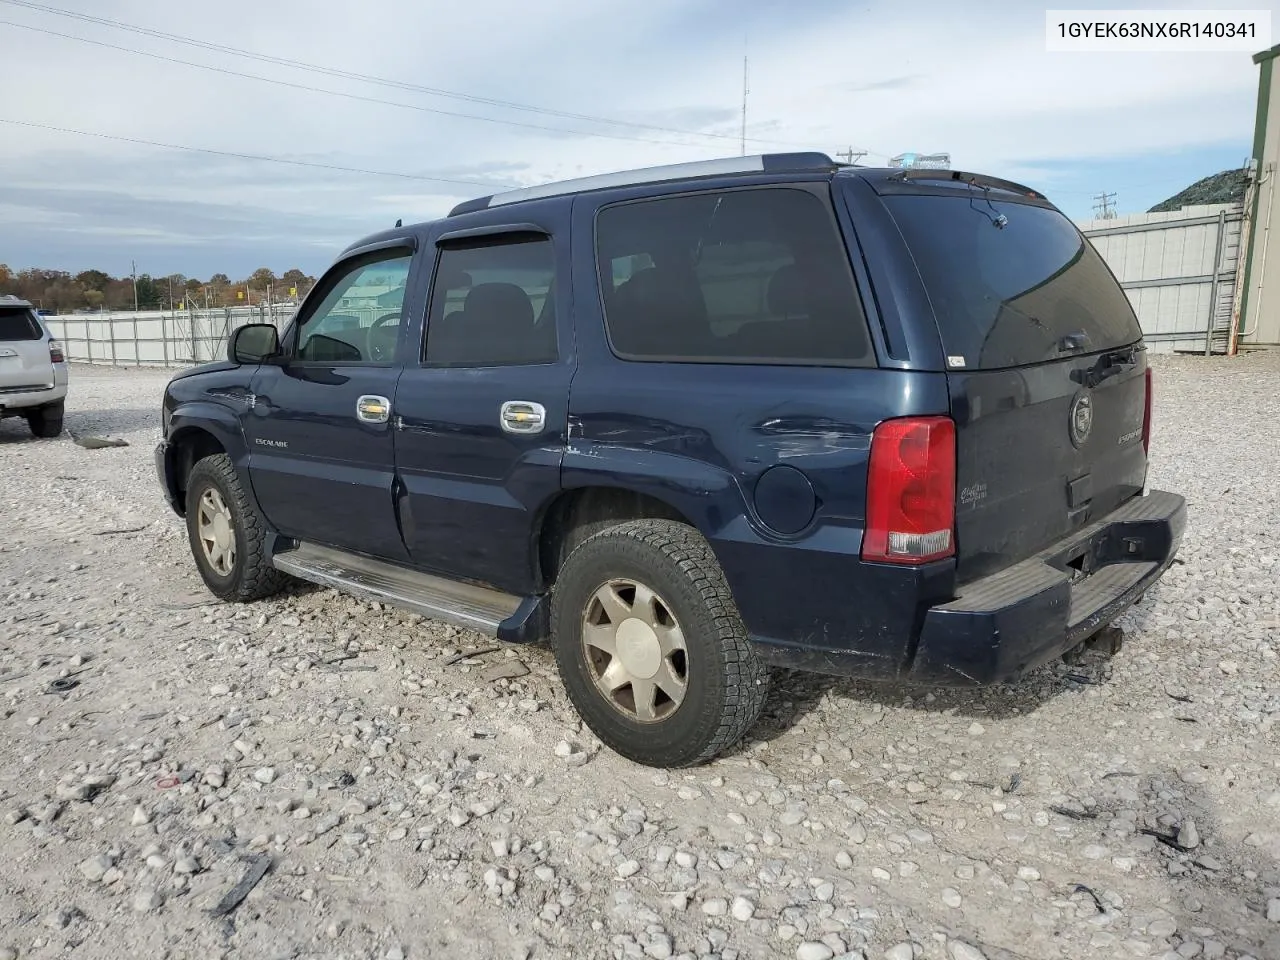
column 884, row 78
column 876, row 86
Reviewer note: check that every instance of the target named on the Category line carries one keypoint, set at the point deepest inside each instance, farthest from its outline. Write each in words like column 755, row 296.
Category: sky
column 611, row 85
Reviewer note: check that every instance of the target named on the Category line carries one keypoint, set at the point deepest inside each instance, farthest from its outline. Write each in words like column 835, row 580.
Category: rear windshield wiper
column 1109, row 365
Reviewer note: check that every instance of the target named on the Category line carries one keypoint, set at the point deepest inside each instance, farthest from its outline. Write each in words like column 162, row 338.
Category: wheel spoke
column 670, row 639
column 613, row 605
column 645, row 606
column 602, row 637
column 645, row 693
column 669, row 683
column 615, row 676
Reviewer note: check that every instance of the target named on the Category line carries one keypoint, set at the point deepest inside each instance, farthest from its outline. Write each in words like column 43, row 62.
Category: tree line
column 58, row 291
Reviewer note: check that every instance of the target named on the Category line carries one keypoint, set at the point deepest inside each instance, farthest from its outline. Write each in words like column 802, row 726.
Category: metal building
column 1260, row 307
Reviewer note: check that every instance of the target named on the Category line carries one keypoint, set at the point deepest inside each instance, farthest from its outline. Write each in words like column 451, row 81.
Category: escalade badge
column 1081, row 420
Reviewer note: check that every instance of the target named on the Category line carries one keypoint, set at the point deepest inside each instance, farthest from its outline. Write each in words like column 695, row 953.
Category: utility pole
column 745, row 90
column 1105, row 208
column 850, row 154
column 133, row 266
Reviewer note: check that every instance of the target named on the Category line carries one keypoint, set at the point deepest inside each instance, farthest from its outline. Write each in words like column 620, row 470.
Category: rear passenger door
column 481, row 415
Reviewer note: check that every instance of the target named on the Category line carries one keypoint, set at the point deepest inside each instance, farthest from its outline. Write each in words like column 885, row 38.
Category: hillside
column 1225, row 187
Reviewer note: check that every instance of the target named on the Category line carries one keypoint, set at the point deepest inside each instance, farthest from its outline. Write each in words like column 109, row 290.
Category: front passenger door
column 322, row 457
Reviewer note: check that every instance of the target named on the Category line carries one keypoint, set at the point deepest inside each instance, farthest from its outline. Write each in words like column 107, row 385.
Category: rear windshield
column 17, row 323
column 1011, row 283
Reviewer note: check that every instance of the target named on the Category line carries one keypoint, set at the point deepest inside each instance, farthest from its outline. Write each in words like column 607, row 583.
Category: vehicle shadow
column 112, row 422
column 795, row 694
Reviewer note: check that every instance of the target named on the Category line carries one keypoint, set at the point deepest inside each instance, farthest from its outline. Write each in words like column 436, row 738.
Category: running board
column 462, row 604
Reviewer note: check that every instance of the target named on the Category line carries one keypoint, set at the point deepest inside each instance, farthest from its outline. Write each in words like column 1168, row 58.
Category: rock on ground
column 414, row 796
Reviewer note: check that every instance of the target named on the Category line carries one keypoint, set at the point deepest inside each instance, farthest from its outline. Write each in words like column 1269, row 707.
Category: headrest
column 787, row 292
column 504, row 301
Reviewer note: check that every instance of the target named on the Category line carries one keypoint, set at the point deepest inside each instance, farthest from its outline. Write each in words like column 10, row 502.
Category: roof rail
column 761, row 163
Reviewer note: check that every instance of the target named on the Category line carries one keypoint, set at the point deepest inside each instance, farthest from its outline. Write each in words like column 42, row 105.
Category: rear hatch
column 24, row 355
column 1046, row 370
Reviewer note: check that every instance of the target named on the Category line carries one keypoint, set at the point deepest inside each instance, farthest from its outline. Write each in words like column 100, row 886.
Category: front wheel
column 650, row 645
column 227, row 535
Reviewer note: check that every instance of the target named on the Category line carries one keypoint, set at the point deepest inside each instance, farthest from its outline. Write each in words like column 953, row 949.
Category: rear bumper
column 13, row 404
column 1002, row 626
column 997, row 628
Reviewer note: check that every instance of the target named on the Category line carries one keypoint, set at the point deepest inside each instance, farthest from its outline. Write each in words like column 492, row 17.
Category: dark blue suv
column 693, row 421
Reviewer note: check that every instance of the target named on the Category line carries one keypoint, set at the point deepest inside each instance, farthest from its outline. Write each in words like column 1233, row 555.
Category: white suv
column 33, row 370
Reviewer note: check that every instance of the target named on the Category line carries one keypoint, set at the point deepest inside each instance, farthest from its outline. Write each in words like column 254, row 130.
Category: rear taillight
column 1146, row 416
column 55, row 352
column 911, row 491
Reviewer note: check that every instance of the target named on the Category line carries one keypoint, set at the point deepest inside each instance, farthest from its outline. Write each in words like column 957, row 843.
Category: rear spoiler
column 973, row 179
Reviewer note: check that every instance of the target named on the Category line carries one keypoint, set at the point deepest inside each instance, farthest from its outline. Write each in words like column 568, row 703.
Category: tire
column 725, row 684
column 247, row 574
column 46, row 422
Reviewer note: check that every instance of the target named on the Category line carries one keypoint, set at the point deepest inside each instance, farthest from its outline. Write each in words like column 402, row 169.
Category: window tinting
column 1007, row 295
column 750, row 276
column 492, row 304
column 17, row 323
column 359, row 319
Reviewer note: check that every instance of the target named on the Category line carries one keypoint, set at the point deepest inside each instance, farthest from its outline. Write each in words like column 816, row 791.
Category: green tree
column 261, row 277
column 93, row 279
column 148, row 293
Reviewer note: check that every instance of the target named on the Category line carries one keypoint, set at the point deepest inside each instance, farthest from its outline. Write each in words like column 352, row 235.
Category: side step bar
column 462, row 604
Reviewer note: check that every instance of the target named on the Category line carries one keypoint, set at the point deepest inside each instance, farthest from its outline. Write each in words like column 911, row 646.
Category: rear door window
column 743, row 276
column 1011, row 283
column 17, row 323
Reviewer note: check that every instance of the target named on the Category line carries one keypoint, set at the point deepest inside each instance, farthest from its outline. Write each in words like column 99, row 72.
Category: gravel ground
column 411, row 792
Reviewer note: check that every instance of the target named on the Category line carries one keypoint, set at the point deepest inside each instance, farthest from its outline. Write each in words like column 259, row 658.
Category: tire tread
column 259, row 579
column 745, row 677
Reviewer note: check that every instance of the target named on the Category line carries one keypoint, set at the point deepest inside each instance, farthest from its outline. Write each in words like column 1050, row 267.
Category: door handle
column 373, row 409
column 523, row 416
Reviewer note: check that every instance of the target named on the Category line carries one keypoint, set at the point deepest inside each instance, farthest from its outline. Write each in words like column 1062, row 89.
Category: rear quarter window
column 17, row 323
column 1010, row 281
column 755, row 276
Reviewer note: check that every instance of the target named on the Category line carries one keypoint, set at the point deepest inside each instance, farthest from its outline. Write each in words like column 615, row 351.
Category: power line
column 338, row 93
column 1105, row 207
column 369, row 78
column 254, row 156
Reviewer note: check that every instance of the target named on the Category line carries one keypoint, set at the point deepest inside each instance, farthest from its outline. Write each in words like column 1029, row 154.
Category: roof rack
column 9, row 300
column 761, row 163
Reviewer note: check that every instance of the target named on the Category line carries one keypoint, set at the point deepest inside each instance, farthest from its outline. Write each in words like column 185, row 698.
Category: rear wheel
column 651, row 647
column 227, row 535
column 46, row 422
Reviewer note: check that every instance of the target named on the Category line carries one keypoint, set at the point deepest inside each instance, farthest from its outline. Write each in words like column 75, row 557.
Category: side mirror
column 253, row 343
